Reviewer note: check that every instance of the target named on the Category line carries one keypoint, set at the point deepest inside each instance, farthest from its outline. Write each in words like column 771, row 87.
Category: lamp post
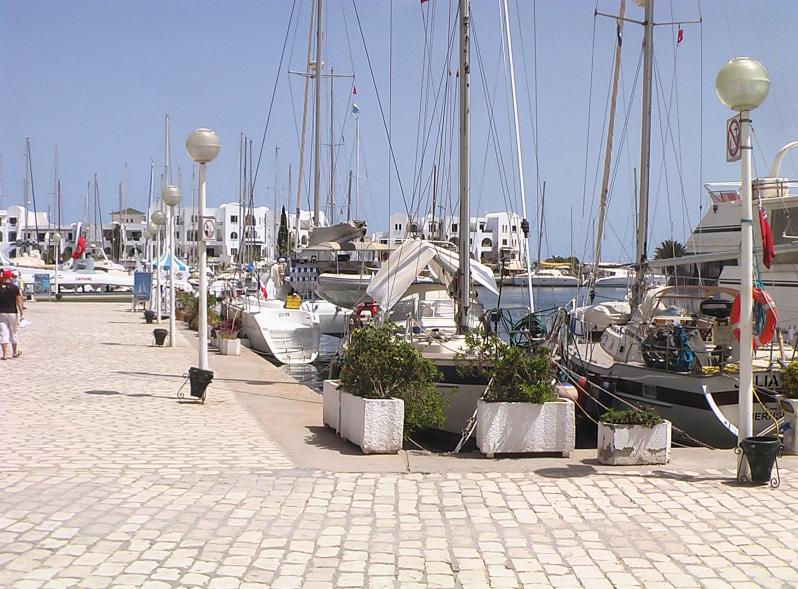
column 159, row 220
column 171, row 196
column 742, row 84
column 152, row 231
column 56, row 237
column 203, row 147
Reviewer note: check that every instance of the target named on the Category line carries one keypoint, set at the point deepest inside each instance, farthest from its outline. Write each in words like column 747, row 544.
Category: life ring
column 371, row 308
column 771, row 317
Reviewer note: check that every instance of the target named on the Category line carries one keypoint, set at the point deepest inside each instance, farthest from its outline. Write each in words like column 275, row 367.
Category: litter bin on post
column 199, row 380
column 761, row 453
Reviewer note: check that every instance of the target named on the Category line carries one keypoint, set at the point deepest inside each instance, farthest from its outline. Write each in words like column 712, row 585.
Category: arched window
column 487, row 243
column 233, row 235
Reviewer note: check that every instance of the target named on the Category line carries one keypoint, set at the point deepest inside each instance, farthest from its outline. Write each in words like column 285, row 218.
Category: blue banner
column 142, row 285
column 41, row 284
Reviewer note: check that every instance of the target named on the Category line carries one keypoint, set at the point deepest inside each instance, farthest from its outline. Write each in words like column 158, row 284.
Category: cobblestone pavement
column 106, row 481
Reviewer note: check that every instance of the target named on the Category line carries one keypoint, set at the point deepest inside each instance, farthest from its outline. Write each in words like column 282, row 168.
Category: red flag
column 262, row 288
column 354, row 89
column 768, row 248
column 80, row 248
column 423, row 1
column 679, row 36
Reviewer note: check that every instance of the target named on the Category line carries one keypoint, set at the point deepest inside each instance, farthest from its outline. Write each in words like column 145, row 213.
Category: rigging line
column 589, row 113
column 729, row 26
column 382, row 111
column 274, row 93
column 32, row 192
column 390, row 102
column 536, row 130
column 502, row 168
column 445, row 77
column 290, row 87
column 426, row 56
column 678, row 136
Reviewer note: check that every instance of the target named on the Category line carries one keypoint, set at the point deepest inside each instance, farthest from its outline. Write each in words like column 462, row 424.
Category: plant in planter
column 227, row 337
column 520, row 410
column 633, row 436
column 790, row 406
column 386, row 391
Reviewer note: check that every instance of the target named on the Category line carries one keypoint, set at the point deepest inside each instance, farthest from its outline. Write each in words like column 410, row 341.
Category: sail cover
column 403, row 267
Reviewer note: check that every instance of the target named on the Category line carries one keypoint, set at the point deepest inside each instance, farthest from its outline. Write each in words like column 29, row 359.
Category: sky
column 96, row 79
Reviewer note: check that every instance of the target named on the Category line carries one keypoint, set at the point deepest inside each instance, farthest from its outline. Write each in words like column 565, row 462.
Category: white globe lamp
column 202, row 145
column 158, row 218
column 171, row 195
column 742, row 84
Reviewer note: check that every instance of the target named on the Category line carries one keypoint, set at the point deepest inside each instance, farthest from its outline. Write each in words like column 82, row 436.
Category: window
column 249, row 220
column 69, row 236
column 482, row 226
column 41, row 237
column 234, row 251
column 233, row 235
column 1, row 236
column 12, row 236
column 454, row 227
column 414, row 228
column 515, row 229
column 12, row 220
column 397, row 227
column 234, row 218
column 504, row 242
column 487, row 243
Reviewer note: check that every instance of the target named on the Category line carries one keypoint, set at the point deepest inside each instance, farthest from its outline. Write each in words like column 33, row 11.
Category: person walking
column 10, row 314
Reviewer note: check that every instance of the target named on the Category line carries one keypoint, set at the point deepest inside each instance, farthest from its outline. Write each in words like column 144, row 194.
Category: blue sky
column 97, row 77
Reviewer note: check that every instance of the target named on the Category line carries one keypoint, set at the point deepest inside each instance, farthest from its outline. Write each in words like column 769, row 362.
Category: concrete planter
column 526, row 427
column 376, row 425
column 331, row 403
column 790, row 408
column 621, row 444
column 229, row 346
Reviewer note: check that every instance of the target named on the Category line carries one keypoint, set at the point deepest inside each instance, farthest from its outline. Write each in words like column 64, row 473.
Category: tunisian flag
column 768, row 248
column 80, row 248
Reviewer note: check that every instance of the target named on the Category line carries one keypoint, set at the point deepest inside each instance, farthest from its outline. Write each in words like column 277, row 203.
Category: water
column 514, row 298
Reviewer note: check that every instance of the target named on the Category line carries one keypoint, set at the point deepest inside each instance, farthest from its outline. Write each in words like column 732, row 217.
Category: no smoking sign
column 733, row 139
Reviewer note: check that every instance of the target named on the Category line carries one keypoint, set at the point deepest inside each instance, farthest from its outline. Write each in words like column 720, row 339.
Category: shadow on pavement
column 324, row 437
column 117, row 393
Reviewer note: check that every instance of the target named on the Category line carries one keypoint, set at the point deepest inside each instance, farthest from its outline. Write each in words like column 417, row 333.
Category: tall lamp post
column 742, row 84
column 171, row 196
column 151, row 232
column 203, row 147
column 56, row 237
column 159, row 220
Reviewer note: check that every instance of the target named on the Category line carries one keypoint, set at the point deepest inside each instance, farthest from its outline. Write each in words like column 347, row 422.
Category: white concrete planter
column 790, row 408
column 229, row 346
column 526, row 427
column 621, row 444
column 376, row 425
column 331, row 403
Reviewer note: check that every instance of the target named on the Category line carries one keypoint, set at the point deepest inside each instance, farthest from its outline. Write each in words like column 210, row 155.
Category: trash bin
column 199, row 379
column 761, row 453
column 160, row 336
column 149, row 316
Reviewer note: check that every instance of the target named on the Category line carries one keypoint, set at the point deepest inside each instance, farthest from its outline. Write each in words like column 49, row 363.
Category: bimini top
column 398, row 273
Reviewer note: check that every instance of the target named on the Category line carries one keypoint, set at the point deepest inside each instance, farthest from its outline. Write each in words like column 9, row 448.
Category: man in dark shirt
column 10, row 313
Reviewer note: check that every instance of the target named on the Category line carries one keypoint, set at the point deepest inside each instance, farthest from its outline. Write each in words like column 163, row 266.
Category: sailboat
column 672, row 349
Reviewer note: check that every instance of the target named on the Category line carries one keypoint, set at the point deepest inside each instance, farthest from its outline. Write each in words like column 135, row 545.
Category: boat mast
column 317, row 120
column 645, row 155
column 331, row 220
column 275, row 221
column 464, row 285
column 301, row 170
column 357, row 160
column 518, row 151
column 434, row 231
column 605, row 180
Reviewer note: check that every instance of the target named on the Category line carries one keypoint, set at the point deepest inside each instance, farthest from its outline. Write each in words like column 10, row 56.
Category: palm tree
column 670, row 248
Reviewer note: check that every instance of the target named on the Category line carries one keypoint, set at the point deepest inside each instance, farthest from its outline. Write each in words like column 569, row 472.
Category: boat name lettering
column 764, row 415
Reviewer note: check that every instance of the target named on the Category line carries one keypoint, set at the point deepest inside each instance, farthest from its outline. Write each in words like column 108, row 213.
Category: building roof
column 127, row 211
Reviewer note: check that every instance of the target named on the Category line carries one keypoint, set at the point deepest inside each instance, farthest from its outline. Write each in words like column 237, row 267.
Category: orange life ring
column 771, row 317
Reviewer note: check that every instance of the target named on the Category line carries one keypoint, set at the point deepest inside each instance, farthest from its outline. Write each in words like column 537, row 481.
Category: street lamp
column 170, row 195
column 742, row 84
column 203, row 147
column 158, row 220
column 56, row 237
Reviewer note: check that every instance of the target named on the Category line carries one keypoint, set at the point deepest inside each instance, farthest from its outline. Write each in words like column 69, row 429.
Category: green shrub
column 644, row 417
column 516, row 374
column 378, row 364
column 791, row 380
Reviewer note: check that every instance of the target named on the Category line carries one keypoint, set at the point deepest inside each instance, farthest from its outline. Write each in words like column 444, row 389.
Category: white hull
column 290, row 335
column 72, row 279
column 332, row 318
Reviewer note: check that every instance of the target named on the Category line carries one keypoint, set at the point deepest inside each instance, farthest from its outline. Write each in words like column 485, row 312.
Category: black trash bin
column 160, row 336
column 149, row 316
column 199, row 379
column 761, row 453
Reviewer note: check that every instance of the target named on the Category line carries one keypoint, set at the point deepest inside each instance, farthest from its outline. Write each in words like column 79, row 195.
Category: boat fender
column 763, row 331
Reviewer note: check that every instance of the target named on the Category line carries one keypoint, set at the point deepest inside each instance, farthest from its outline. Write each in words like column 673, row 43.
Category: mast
column 317, row 120
column 645, row 154
column 304, row 128
column 356, row 110
column 331, row 220
column 605, row 180
column 275, row 221
column 241, row 148
column 349, row 199
column 464, row 285
column 434, row 200
column 518, row 151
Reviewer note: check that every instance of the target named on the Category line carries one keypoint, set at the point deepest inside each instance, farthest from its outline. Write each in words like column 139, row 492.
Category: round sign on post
column 208, row 228
column 733, row 150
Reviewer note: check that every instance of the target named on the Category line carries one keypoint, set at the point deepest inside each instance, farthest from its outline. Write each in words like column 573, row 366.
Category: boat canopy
column 338, row 233
column 401, row 270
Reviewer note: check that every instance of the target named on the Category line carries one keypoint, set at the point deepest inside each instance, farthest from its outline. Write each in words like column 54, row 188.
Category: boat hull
column 291, row 336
